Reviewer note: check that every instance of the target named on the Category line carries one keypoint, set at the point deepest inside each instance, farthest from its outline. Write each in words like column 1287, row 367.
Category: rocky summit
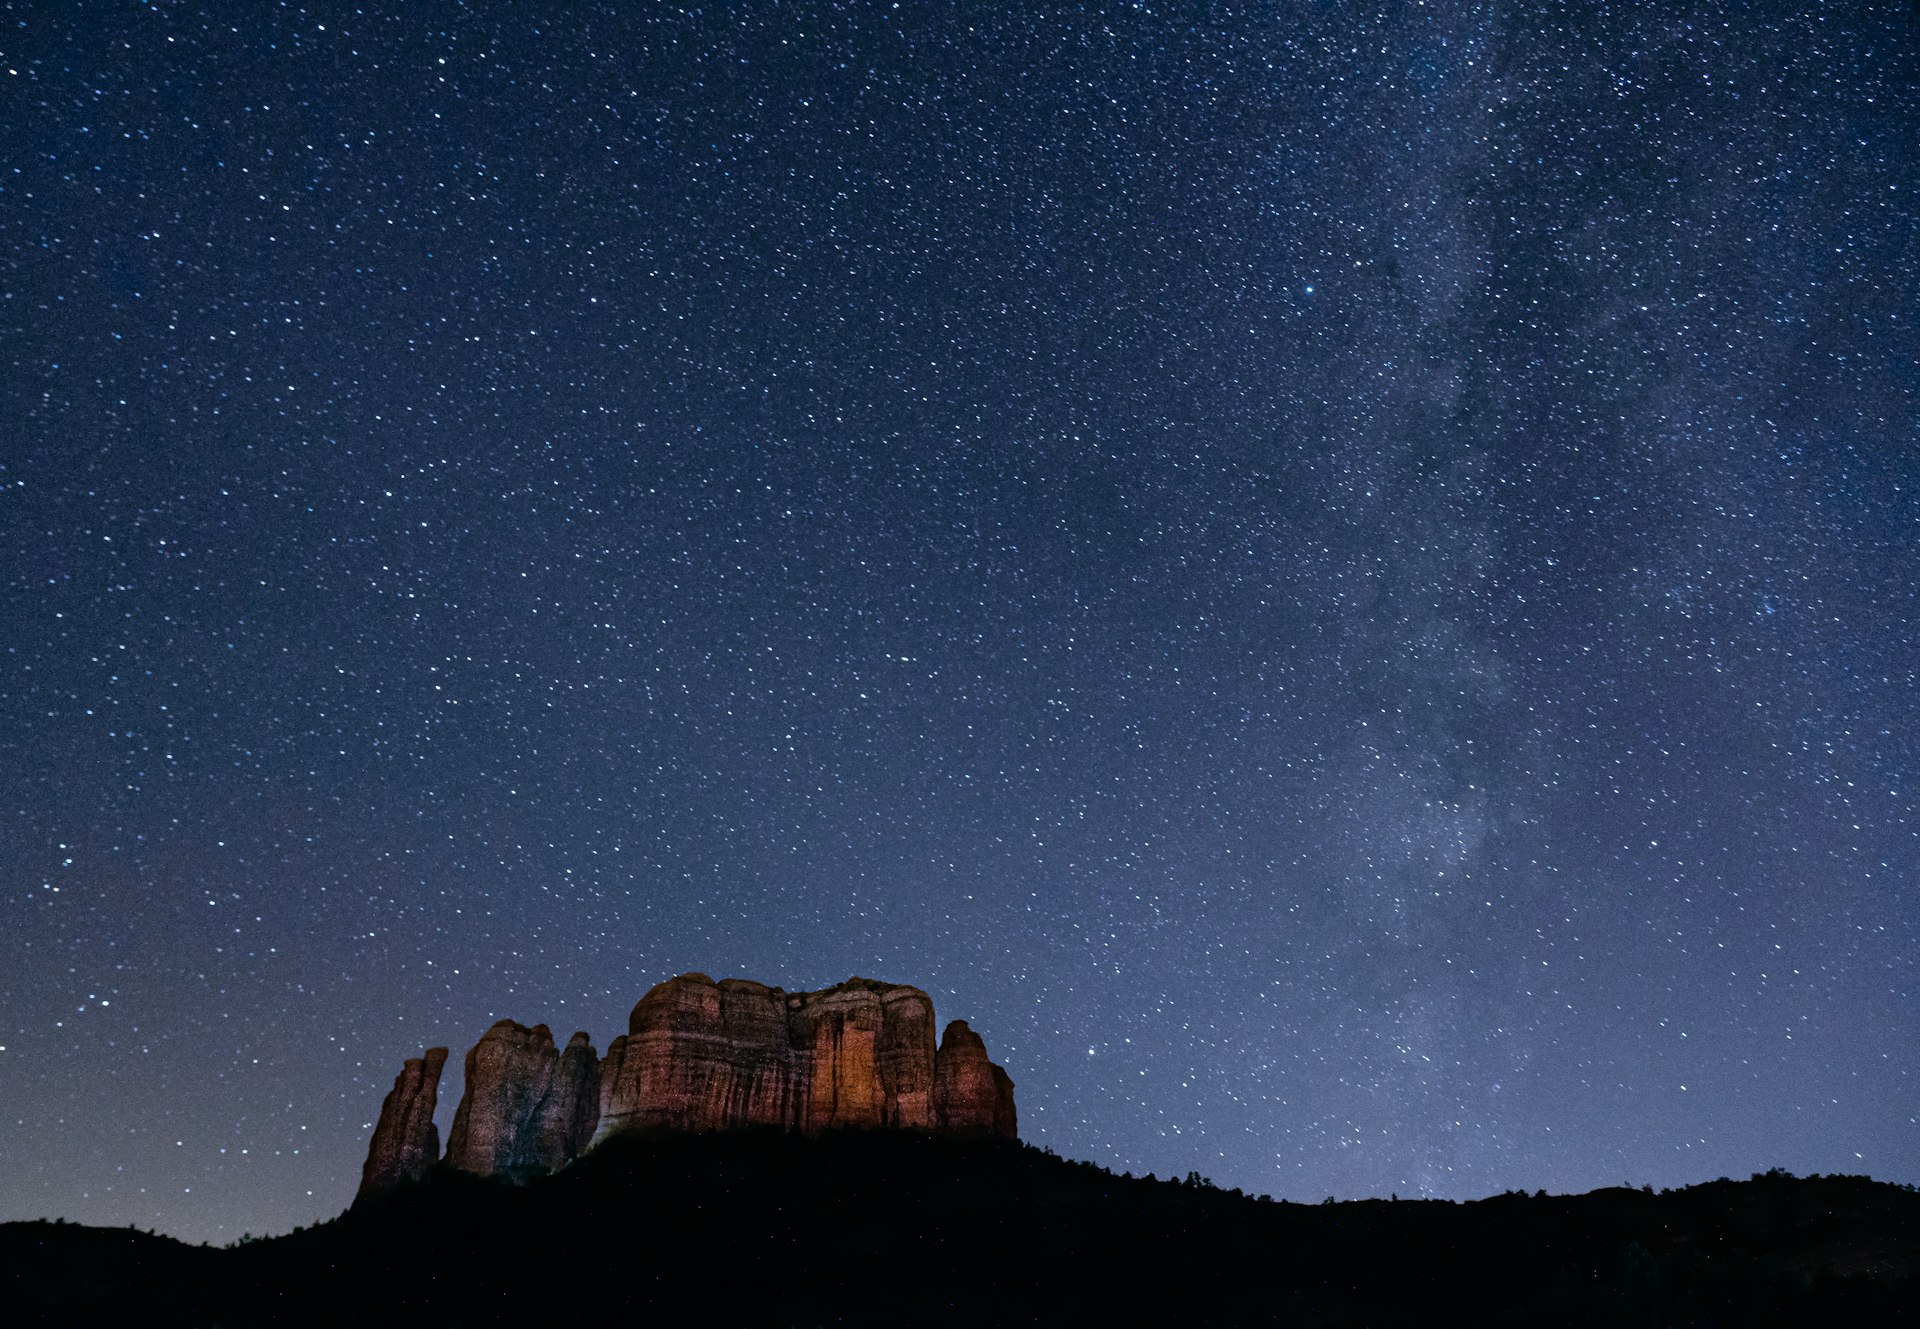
column 697, row 1056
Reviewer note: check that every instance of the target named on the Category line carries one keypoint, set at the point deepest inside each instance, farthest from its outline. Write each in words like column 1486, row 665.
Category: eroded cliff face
column 700, row 1055
column 525, row 1108
column 563, row 1125
column 406, row 1142
column 971, row 1095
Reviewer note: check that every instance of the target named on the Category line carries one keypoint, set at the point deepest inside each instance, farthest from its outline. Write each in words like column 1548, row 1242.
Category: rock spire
column 527, row 1109
column 406, row 1142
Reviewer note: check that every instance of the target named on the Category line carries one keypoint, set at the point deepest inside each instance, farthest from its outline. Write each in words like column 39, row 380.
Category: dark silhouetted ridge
column 910, row 1228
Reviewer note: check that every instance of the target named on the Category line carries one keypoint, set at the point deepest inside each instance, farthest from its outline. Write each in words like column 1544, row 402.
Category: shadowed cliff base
column 911, row 1228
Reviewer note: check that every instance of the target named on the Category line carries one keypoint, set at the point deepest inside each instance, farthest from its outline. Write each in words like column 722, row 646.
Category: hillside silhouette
column 902, row 1228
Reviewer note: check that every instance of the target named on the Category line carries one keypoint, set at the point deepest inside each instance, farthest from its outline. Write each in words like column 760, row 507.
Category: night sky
column 1341, row 581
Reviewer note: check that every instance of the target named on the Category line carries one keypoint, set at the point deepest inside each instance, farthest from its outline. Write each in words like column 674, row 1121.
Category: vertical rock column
column 527, row 1110
column 906, row 1058
column 835, row 1037
column 971, row 1095
column 563, row 1124
column 406, row 1142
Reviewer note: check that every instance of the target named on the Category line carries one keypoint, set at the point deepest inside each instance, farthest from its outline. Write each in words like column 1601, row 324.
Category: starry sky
column 1341, row 580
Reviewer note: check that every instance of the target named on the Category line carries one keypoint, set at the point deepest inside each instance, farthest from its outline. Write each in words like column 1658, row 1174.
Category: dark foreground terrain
column 900, row 1229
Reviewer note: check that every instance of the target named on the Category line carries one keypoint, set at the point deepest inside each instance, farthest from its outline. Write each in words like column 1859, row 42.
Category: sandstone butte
column 697, row 1056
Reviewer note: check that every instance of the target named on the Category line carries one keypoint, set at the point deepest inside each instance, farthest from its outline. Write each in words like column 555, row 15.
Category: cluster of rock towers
column 697, row 1056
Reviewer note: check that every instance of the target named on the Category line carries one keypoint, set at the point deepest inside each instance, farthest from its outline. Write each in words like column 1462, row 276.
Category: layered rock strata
column 705, row 1056
column 700, row 1056
column 406, row 1142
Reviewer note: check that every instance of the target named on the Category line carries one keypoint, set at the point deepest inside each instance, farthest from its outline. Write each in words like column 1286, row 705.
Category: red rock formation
column 971, row 1095
column 700, row 1055
column 526, row 1109
column 406, row 1142
column 864, row 1053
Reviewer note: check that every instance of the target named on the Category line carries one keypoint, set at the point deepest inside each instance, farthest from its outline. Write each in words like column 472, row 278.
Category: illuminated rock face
column 406, row 1142
column 700, row 1056
column 705, row 1056
column 971, row 1095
